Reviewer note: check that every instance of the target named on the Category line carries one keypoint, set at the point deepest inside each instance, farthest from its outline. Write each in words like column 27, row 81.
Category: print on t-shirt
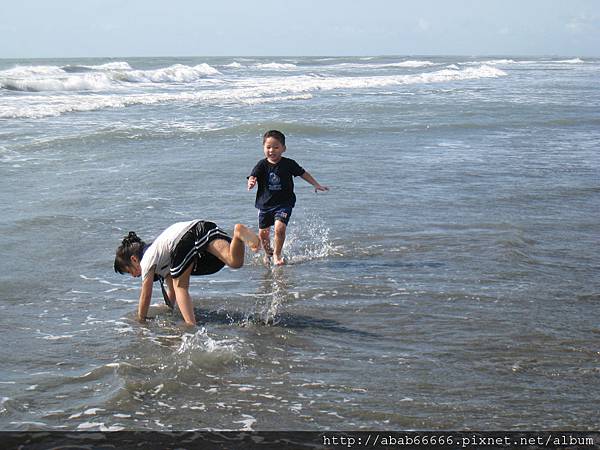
column 274, row 182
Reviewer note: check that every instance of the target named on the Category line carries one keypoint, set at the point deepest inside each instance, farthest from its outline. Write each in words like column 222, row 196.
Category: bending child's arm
column 309, row 178
column 145, row 296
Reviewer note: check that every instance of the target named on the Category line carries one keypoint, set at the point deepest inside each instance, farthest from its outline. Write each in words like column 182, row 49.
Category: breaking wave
column 97, row 78
column 110, row 87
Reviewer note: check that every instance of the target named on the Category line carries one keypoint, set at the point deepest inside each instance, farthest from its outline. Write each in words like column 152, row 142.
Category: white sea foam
column 104, row 77
column 572, row 61
column 58, row 82
column 493, row 62
column 30, row 71
column 411, row 64
column 202, row 342
column 247, row 91
column 276, row 66
column 177, row 73
column 30, row 422
column 122, row 65
column 87, row 412
column 100, row 426
column 247, row 422
column 56, row 338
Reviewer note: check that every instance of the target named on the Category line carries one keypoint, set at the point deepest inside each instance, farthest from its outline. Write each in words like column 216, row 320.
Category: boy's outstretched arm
column 309, row 178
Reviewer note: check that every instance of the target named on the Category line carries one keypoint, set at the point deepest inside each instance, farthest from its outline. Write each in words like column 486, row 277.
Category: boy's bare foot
column 279, row 260
column 266, row 245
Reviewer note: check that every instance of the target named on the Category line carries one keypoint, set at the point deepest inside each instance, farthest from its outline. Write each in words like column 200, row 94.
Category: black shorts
column 192, row 249
column 267, row 217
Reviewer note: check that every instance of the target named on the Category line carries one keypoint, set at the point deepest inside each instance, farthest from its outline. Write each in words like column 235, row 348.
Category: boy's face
column 273, row 150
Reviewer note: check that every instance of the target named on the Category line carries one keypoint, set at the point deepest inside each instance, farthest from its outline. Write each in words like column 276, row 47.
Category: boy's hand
column 318, row 187
column 251, row 182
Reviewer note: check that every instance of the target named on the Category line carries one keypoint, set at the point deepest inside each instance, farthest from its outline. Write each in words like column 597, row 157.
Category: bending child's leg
column 232, row 253
column 181, row 287
column 279, row 240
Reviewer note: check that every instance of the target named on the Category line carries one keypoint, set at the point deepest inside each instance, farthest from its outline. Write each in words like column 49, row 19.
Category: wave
column 262, row 66
column 306, row 83
column 571, row 61
column 276, row 66
column 119, row 65
column 31, row 71
column 409, row 64
column 247, row 91
column 96, row 78
column 178, row 73
column 108, row 66
column 493, row 62
column 234, row 65
column 86, row 82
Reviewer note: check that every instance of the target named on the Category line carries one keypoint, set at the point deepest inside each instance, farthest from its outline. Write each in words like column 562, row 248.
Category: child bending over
column 185, row 248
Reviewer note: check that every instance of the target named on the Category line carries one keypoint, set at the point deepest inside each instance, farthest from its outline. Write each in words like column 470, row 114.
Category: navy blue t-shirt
column 276, row 183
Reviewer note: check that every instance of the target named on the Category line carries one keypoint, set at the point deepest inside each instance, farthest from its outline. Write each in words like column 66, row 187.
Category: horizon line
column 382, row 55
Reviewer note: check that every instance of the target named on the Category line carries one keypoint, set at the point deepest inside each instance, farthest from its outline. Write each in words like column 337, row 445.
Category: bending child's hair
column 131, row 245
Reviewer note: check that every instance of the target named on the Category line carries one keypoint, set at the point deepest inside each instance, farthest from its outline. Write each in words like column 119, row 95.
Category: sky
column 112, row 28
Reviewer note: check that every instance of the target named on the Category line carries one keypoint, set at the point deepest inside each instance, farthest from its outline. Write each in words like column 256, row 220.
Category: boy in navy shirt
column 275, row 196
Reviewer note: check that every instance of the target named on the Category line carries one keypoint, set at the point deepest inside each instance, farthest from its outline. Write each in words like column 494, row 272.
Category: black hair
column 274, row 134
column 131, row 245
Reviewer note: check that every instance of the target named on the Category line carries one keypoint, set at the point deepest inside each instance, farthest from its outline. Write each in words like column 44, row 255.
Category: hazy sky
column 73, row 28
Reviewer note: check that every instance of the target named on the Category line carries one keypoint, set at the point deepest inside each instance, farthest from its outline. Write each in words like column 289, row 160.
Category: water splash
column 200, row 349
column 308, row 240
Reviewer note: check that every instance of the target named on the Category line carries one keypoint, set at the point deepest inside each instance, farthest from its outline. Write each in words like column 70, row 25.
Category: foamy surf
column 246, row 91
column 97, row 78
column 276, row 66
column 193, row 345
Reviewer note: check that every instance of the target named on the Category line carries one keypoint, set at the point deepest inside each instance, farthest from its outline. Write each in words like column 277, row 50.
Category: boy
column 275, row 196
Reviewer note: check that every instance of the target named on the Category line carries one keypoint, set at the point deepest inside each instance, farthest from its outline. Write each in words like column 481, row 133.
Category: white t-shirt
column 158, row 255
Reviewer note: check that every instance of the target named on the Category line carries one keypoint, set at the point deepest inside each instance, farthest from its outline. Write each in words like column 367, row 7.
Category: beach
column 448, row 279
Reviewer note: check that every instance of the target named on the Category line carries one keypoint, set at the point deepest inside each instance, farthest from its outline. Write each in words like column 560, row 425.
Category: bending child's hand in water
column 321, row 188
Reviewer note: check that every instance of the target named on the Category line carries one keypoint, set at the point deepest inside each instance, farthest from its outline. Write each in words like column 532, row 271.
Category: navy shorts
column 191, row 249
column 267, row 217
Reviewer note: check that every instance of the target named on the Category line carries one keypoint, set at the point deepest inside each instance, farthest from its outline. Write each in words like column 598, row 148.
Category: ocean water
column 448, row 280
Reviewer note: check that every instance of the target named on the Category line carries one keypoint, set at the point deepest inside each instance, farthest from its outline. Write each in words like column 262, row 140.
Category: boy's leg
column 181, row 286
column 232, row 253
column 265, row 239
column 279, row 240
column 266, row 219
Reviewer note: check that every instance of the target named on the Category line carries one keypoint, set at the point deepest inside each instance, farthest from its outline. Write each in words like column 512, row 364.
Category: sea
column 448, row 280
